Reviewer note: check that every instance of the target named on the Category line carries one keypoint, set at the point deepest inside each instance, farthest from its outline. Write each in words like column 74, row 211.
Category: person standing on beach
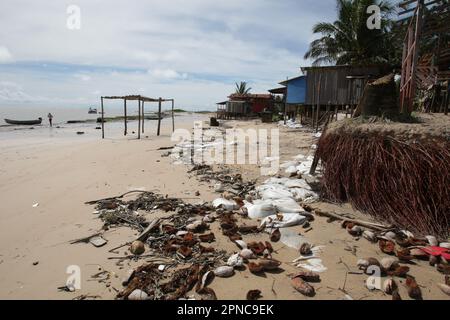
column 50, row 119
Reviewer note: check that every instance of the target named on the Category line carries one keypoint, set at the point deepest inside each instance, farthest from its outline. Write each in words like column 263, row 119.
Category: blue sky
column 191, row 50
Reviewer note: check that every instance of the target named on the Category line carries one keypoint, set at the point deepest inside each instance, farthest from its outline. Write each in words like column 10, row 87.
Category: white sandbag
column 291, row 170
column 304, row 167
column 288, row 164
column 287, row 220
column 302, row 194
column 260, row 209
column 287, row 205
column 314, row 265
column 275, row 191
column 297, row 183
column 281, row 181
column 226, row 204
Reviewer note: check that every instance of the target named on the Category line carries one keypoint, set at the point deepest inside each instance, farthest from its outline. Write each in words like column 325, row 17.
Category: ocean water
column 60, row 114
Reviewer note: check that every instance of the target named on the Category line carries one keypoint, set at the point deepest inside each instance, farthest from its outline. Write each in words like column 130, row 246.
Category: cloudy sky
column 190, row 50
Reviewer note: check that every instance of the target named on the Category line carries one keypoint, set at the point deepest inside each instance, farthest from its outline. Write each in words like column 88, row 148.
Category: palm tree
column 348, row 40
column 242, row 89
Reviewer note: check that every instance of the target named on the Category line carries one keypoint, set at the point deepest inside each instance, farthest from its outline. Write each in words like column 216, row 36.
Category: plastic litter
column 226, row 204
column 287, row 220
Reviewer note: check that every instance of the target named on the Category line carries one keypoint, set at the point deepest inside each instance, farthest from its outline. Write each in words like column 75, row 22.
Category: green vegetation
column 242, row 89
column 348, row 40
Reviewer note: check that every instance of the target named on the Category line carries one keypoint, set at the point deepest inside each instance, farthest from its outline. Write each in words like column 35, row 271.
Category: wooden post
column 173, row 116
column 318, row 102
column 447, row 98
column 143, row 116
column 103, row 121
column 285, row 100
column 125, row 116
column 159, row 116
column 139, row 118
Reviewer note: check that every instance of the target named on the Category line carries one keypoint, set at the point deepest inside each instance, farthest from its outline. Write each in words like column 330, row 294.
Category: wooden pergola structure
column 141, row 100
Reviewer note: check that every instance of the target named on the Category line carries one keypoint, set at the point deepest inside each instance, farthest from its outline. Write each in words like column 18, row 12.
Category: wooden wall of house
column 335, row 88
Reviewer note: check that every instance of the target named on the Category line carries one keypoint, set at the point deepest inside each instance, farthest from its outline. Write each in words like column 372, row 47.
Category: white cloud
column 167, row 74
column 5, row 55
column 83, row 77
column 207, row 44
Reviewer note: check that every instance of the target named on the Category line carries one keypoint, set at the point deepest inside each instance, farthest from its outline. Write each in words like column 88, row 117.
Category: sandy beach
column 45, row 181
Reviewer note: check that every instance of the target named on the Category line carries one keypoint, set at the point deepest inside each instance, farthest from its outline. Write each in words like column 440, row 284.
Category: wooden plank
column 173, row 116
column 103, row 121
column 159, row 116
column 139, row 119
column 125, row 117
column 143, row 117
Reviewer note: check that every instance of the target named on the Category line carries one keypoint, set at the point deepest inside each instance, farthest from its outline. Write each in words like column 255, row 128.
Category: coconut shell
column 137, row 248
column 275, row 236
column 303, row 287
column 444, row 288
column 255, row 267
column 389, row 263
column 254, row 295
column 308, row 276
column 413, row 288
column 224, row 272
column 387, row 246
column 401, row 271
column 247, row 254
column 269, row 264
column 305, row 249
column 209, row 237
column 389, row 286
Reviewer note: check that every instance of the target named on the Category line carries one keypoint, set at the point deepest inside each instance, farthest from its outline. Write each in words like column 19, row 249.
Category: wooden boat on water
column 24, row 122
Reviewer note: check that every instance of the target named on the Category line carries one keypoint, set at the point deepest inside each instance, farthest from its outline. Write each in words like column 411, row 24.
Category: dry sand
column 62, row 175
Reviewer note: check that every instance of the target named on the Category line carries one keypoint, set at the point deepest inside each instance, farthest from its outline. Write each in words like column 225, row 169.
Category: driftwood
column 154, row 224
column 115, row 198
column 366, row 224
column 85, row 239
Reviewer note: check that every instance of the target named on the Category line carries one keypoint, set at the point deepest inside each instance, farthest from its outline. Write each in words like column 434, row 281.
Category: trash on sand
column 235, row 261
column 387, row 246
column 275, row 235
column 445, row 245
column 35, row 205
column 161, row 267
column 307, row 276
column 389, row 286
column 126, row 279
column 287, row 205
column 254, row 295
column 283, row 220
column 260, row 209
column 98, row 241
column 437, row 252
column 137, row 247
column 291, row 238
column 389, row 263
column 314, row 265
column 432, row 241
column 303, row 287
column 445, row 287
column 247, row 254
column 138, row 295
column 269, row 264
column 226, row 204
column 413, row 288
column 224, row 272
